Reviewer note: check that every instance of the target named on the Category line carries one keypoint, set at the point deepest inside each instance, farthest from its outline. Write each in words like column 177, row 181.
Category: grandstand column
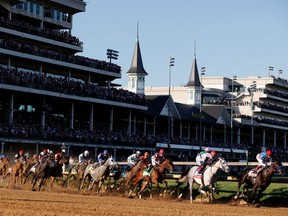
column 9, row 15
column 40, row 69
column 11, row 109
column 95, row 152
column 145, row 126
column 180, row 131
column 172, row 127
column 264, row 137
column 68, row 150
column 91, row 122
column 72, row 115
column 204, row 132
column 225, row 140
column 111, row 117
column 89, row 78
column 43, row 113
column 8, row 63
column 114, row 156
column 134, row 124
column 239, row 136
column 129, row 122
column 37, row 149
column 275, row 138
column 154, row 126
column 2, row 147
column 211, row 134
column 196, row 135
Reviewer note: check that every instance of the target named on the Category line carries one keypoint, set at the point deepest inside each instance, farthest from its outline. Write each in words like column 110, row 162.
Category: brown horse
column 15, row 171
column 4, row 167
column 155, row 177
column 56, row 171
column 27, row 169
column 259, row 184
column 42, row 173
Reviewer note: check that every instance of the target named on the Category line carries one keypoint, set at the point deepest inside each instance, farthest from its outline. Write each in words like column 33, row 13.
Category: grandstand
column 53, row 97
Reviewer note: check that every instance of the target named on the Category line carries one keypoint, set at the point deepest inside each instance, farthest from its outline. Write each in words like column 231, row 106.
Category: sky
column 233, row 38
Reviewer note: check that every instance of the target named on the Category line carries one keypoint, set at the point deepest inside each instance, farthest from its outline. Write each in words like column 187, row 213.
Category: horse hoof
column 180, row 196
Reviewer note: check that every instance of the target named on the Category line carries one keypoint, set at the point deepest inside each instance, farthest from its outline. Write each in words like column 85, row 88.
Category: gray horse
column 209, row 178
column 97, row 174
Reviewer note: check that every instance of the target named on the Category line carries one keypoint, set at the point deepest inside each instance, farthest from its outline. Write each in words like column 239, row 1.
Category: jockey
column 103, row 156
column 134, row 159
column 2, row 156
column 83, row 157
column 43, row 156
column 58, row 156
column 145, row 159
column 264, row 159
column 158, row 157
column 20, row 155
column 202, row 159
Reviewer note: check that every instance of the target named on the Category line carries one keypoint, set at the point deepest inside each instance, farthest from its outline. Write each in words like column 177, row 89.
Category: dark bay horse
column 258, row 184
column 42, row 173
column 155, row 177
column 4, row 167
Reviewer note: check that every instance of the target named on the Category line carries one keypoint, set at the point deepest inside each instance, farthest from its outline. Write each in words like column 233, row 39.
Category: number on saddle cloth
column 147, row 171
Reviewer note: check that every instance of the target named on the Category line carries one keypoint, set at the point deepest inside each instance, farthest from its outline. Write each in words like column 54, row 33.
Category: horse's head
column 168, row 164
column 222, row 164
column 277, row 167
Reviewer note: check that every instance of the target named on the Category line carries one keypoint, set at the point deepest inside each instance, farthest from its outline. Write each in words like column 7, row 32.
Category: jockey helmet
column 213, row 153
column 63, row 150
column 269, row 152
column 105, row 152
column 161, row 152
column 44, row 151
column 21, row 152
column 50, row 152
column 86, row 153
column 138, row 153
column 207, row 149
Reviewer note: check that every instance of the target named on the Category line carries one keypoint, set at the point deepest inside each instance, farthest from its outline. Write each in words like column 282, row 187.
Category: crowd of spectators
column 271, row 106
column 12, row 76
column 59, row 55
column 22, row 26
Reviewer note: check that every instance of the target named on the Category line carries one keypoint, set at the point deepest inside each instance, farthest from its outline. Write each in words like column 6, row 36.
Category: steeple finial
column 195, row 48
column 137, row 31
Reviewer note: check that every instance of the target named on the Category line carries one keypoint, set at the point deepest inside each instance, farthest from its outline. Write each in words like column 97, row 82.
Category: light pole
column 270, row 70
column 280, row 72
column 203, row 70
column 171, row 64
column 234, row 78
column 112, row 54
column 252, row 90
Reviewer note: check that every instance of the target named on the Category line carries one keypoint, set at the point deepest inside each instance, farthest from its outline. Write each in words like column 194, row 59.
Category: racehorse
column 28, row 168
column 42, row 173
column 56, row 170
column 259, row 184
column 4, row 166
column 155, row 177
column 70, row 170
column 129, row 175
column 15, row 171
column 208, row 178
column 97, row 174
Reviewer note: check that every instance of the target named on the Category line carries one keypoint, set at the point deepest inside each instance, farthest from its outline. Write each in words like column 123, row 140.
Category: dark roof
column 189, row 112
column 137, row 64
column 194, row 76
column 218, row 112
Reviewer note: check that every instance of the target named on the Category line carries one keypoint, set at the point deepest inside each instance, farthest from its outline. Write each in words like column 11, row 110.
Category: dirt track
column 63, row 201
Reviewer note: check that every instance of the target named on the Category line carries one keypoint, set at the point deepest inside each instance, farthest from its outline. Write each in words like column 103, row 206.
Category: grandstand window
column 20, row 6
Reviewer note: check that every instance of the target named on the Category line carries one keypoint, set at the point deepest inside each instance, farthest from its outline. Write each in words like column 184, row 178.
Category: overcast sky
column 241, row 38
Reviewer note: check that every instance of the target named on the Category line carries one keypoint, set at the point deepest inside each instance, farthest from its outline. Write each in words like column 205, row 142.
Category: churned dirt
column 21, row 200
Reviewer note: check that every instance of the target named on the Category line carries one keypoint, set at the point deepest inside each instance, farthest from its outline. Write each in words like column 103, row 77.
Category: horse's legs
column 144, row 184
column 191, row 181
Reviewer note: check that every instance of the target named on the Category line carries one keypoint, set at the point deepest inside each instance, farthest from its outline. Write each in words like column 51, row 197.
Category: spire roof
column 194, row 75
column 137, row 64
